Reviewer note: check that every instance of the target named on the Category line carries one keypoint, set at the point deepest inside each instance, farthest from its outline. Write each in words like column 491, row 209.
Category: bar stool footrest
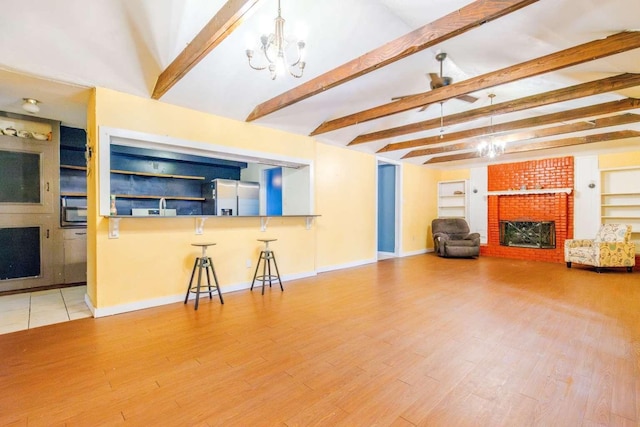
column 267, row 278
column 203, row 291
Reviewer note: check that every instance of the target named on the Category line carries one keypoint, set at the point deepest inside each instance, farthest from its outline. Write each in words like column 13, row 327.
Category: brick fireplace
column 537, row 190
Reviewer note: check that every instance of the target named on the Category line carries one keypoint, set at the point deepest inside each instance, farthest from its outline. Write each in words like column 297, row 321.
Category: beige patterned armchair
column 612, row 247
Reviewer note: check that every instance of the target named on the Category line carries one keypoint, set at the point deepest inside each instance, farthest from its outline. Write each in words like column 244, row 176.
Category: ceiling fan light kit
column 274, row 50
column 436, row 81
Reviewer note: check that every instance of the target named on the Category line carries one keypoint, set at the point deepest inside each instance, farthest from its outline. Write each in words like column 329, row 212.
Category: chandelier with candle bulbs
column 491, row 148
column 274, row 48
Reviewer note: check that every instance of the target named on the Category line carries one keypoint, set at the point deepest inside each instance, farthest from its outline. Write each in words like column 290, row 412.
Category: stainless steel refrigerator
column 229, row 197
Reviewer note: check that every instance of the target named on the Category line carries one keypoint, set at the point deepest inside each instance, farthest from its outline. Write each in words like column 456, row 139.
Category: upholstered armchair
column 612, row 247
column 451, row 238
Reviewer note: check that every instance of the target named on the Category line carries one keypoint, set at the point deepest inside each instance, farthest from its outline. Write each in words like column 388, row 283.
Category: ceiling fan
column 438, row 81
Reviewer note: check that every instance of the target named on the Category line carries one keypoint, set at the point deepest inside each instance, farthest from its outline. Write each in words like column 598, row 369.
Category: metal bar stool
column 203, row 263
column 266, row 256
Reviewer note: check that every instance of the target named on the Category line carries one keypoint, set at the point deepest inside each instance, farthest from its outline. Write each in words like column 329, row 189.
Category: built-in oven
column 72, row 216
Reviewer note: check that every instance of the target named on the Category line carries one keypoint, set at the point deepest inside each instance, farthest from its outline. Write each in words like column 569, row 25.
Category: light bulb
column 280, row 66
column 30, row 105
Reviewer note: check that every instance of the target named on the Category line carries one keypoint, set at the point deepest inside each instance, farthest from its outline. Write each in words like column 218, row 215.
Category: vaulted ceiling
column 565, row 73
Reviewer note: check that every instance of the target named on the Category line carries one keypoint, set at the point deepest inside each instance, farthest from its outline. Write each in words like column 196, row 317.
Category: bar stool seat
column 205, row 263
column 267, row 256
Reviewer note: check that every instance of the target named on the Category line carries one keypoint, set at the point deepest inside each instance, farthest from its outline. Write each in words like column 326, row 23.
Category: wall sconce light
column 30, row 105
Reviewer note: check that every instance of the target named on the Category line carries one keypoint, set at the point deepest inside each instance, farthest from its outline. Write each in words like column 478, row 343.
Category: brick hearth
column 536, row 174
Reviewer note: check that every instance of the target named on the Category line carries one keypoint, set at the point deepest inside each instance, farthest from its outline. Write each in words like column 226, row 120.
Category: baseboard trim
column 172, row 299
column 418, row 252
column 346, row 265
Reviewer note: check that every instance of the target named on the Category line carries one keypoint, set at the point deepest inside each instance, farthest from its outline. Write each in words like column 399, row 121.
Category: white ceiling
column 55, row 51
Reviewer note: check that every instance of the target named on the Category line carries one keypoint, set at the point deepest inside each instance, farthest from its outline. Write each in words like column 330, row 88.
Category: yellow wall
column 346, row 199
column 91, row 208
column 153, row 257
column 119, row 110
column 619, row 160
column 450, row 175
column 419, row 196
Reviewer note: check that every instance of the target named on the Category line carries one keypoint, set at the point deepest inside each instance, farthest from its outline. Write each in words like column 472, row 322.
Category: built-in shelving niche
column 141, row 168
column 141, row 177
column 620, row 199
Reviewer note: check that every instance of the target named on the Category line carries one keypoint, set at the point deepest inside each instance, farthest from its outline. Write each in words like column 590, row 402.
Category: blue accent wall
column 72, row 152
column 72, row 146
column 386, row 208
column 169, row 163
column 274, row 191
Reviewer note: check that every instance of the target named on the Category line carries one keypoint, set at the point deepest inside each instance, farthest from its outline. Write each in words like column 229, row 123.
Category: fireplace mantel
column 527, row 192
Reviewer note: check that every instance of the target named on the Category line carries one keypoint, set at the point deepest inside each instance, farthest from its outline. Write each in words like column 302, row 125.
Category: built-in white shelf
column 78, row 168
column 620, row 199
column 453, row 199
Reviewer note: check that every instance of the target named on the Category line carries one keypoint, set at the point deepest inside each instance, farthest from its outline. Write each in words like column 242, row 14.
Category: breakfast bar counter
column 114, row 220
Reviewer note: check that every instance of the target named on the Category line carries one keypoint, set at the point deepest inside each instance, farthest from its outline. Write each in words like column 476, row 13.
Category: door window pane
column 19, row 252
column 20, row 173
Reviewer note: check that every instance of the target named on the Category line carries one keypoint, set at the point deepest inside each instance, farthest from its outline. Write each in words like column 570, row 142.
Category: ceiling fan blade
column 467, row 98
column 395, row 98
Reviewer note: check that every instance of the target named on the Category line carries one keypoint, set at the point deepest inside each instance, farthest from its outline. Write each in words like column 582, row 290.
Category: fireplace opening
column 528, row 234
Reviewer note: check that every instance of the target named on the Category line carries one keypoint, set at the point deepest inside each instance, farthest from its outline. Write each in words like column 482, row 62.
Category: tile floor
column 33, row 309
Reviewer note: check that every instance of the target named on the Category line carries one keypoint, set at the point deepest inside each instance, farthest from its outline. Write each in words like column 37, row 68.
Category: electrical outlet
column 248, row 263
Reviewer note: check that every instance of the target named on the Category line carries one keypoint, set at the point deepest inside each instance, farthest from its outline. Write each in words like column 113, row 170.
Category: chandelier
column 274, row 49
column 491, row 148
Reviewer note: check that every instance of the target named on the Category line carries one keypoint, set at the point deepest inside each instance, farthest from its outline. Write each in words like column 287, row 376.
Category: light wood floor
column 414, row 341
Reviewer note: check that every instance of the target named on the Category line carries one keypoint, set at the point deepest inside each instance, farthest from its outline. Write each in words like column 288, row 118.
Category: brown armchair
column 451, row 238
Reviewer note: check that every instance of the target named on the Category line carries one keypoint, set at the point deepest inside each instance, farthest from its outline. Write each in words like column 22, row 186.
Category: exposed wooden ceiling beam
column 232, row 13
column 618, row 120
column 562, row 116
column 454, row 24
column 567, row 142
column 590, row 51
column 609, row 84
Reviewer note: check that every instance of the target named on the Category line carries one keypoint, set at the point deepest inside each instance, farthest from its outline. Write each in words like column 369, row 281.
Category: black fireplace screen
column 528, row 234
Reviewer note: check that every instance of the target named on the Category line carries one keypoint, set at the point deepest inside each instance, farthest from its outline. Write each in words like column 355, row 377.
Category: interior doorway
column 388, row 210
